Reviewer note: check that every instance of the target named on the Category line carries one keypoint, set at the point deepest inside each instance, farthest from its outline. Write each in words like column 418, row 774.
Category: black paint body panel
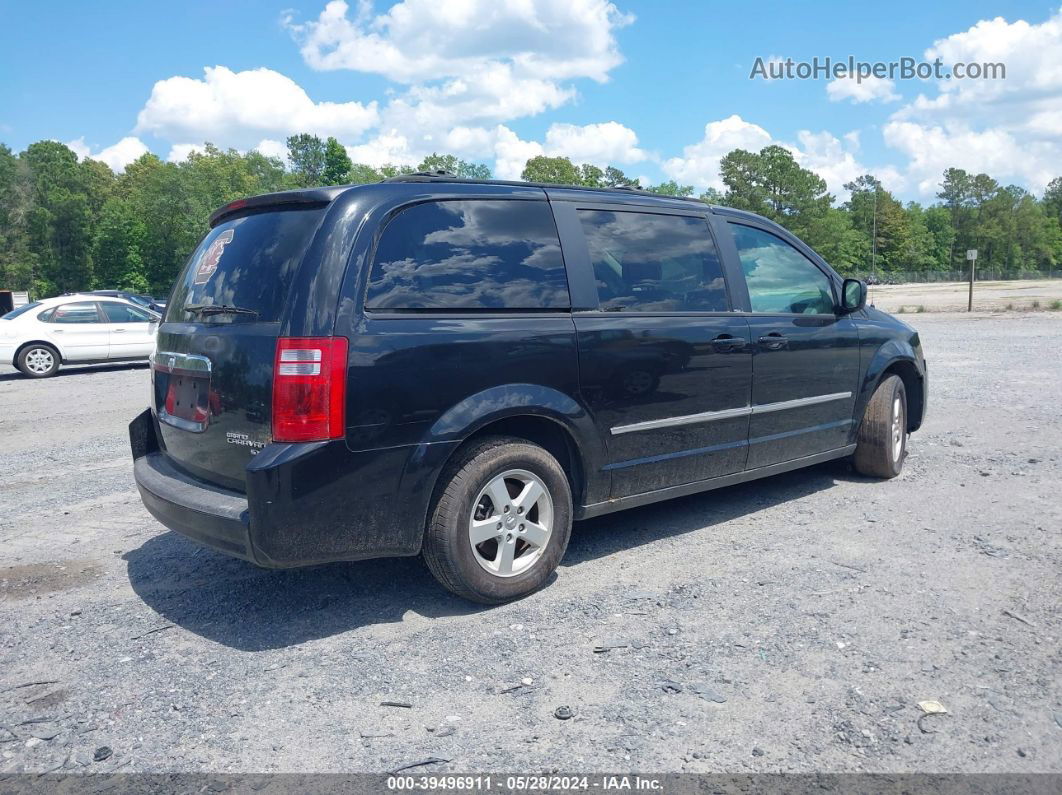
column 421, row 383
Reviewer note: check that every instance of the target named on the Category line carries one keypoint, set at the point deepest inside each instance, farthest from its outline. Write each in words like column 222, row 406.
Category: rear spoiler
column 291, row 199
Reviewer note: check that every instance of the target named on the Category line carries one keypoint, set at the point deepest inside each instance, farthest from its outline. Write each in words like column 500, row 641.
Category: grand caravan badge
column 208, row 264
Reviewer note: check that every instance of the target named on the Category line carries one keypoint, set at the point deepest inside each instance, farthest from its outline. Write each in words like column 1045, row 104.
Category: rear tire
column 882, row 443
column 500, row 522
column 38, row 360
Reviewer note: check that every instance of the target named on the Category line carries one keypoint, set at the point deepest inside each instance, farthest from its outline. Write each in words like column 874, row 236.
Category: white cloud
column 602, row 144
column 237, row 108
column 997, row 152
column 867, row 89
column 466, row 65
column 699, row 164
column 419, row 41
column 832, row 158
column 836, row 161
column 180, row 152
column 511, row 154
column 117, row 156
column 389, row 147
column 609, row 142
column 271, row 148
column 1008, row 128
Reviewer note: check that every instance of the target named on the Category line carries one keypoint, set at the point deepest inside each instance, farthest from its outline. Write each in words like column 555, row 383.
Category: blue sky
column 659, row 89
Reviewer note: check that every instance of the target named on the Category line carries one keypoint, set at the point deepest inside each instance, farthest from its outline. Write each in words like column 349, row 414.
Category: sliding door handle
column 773, row 341
column 728, row 342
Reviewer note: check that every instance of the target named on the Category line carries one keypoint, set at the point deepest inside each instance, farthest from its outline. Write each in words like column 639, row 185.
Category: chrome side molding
column 727, row 414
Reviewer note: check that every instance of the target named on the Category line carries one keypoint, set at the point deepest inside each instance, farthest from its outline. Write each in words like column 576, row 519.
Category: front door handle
column 118, row 330
column 727, row 342
column 773, row 341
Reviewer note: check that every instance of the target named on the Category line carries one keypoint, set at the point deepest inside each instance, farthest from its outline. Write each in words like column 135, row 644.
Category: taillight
column 309, row 389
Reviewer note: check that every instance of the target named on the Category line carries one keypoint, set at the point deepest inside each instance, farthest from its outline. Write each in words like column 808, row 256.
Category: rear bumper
column 305, row 504
column 209, row 515
column 7, row 352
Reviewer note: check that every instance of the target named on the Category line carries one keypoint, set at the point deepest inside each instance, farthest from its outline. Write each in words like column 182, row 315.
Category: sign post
column 971, row 254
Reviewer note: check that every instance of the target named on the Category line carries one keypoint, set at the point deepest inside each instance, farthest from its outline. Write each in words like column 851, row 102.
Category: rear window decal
column 208, row 263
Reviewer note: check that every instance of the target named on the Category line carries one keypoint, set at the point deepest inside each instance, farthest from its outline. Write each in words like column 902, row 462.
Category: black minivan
column 462, row 368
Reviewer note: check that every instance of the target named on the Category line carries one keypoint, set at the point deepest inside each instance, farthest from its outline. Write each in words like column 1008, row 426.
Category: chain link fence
column 920, row 277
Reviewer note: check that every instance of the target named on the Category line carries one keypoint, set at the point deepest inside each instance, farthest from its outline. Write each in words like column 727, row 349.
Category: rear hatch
column 212, row 373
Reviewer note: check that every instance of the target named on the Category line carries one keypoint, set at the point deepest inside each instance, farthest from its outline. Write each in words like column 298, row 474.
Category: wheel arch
column 542, row 415
column 28, row 343
column 895, row 358
column 914, row 388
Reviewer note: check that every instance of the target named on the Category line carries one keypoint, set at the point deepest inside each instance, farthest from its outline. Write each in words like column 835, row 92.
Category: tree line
column 69, row 224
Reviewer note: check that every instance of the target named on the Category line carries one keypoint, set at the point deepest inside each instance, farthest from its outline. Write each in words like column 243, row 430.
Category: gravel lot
column 1019, row 294
column 786, row 625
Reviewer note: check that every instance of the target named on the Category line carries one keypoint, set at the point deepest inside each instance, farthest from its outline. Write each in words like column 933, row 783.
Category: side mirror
column 853, row 295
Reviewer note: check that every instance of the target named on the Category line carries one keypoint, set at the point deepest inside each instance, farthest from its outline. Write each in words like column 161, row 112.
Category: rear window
column 469, row 255
column 81, row 312
column 247, row 262
column 21, row 310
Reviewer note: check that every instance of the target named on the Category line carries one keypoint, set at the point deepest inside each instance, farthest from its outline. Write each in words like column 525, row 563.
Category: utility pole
column 971, row 254
column 874, row 236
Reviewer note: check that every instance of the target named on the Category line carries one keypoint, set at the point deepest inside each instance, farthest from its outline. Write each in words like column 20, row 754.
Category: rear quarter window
column 248, row 262
column 469, row 255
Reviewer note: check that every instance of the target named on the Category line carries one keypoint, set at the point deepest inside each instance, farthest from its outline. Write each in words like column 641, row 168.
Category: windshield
column 246, row 264
column 21, row 310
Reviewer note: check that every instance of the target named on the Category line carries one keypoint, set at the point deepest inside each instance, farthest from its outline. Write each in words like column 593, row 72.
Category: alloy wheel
column 40, row 360
column 511, row 523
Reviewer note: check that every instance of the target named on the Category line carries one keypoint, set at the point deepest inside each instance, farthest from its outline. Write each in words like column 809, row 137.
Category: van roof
column 309, row 197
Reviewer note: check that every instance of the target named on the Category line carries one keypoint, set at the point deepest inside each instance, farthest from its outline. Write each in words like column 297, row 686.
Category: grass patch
column 1009, row 307
column 901, row 311
column 920, row 309
column 1035, row 305
column 1055, row 305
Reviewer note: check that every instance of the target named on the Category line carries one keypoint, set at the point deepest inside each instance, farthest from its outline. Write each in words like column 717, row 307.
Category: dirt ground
column 791, row 624
column 954, row 296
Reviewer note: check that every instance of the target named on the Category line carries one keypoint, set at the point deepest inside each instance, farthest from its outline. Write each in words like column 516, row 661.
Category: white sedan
column 39, row 336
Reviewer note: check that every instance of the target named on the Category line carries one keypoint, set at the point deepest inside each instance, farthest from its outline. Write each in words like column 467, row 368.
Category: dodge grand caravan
column 462, row 368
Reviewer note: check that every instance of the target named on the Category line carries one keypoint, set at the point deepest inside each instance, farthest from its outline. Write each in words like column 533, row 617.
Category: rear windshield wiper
column 218, row 309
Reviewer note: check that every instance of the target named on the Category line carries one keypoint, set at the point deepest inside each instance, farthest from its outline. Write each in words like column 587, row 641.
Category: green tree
column 1052, row 201
column 361, row 174
column 671, row 188
column 615, row 178
column 591, row 176
column 16, row 203
column 884, row 225
column 119, row 239
column 454, row 165
column 558, row 170
column 306, row 153
column 770, row 182
column 337, row 163
column 388, row 170
column 59, row 225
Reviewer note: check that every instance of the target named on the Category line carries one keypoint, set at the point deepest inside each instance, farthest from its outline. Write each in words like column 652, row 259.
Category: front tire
column 38, row 361
column 882, row 443
column 500, row 522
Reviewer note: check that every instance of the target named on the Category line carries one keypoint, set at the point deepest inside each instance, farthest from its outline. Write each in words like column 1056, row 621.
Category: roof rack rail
column 446, row 176
column 440, row 173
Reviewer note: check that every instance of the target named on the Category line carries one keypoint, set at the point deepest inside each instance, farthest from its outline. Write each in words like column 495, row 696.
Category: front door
column 665, row 366
column 805, row 370
column 132, row 332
